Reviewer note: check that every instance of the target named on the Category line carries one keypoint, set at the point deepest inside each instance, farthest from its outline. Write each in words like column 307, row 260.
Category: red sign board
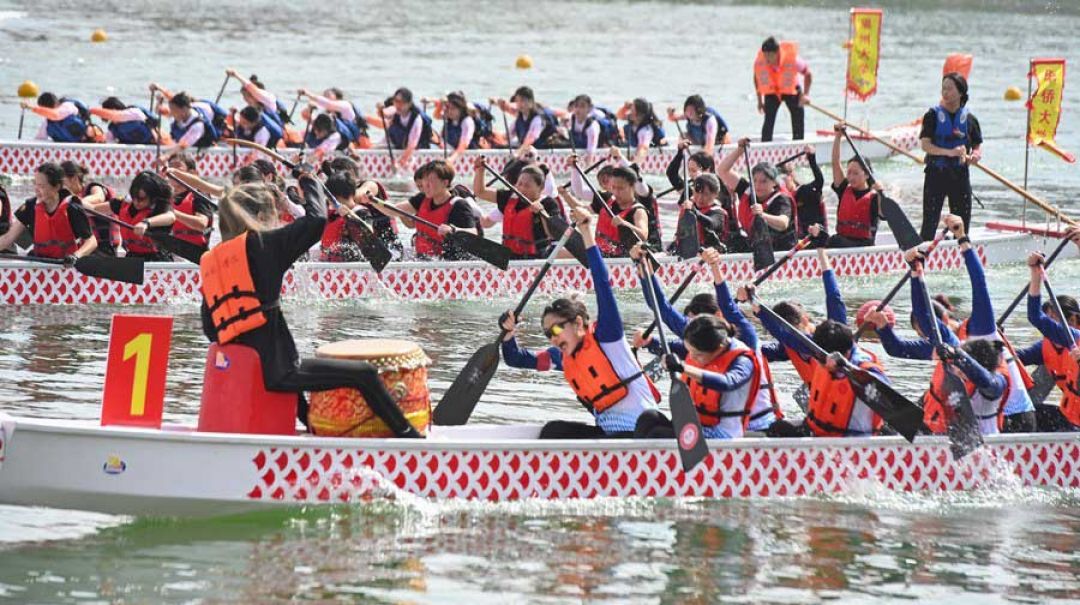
column 135, row 371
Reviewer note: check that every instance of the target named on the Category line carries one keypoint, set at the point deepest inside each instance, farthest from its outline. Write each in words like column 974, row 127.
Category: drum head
column 387, row 351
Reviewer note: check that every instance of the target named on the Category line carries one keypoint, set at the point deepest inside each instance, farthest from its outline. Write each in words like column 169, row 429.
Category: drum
column 402, row 367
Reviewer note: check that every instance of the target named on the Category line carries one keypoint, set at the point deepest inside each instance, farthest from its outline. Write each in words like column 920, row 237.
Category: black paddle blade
column 900, row 225
column 899, row 412
column 123, row 269
column 556, row 227
column 459, row 401
column 1044, row 385
column 692, row 447
column 486, row 250
column 964, row 434
column 687, row 244
column 761, row 244
column 184, row 249
column 372, row 247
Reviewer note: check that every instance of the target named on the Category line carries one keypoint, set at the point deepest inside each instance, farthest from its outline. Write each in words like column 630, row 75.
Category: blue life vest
column 696, row 131
column 608, row 130
column 360, row 123
column 218, row 118
column 950, row 132
column 399, row 134
column 342, row 129
column 630, row 131
column 135, row 132
column 71, row 129
column 210, row 133
column 550, row 127
column 481, row 128
column 281, row 115
column 268, row 121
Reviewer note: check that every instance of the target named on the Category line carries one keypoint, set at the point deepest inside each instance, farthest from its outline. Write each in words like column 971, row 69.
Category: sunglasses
column 556, row 329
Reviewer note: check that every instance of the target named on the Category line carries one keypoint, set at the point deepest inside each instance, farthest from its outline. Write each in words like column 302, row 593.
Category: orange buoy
column 524, row 62
column 28, row 90
column 99, row 35
column 1013, row 93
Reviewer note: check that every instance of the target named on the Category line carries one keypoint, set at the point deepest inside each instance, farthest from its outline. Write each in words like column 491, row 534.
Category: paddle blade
column 964, row 434
column 373, row 248
column 761, row 244
column 460, row 399
column 687, row 244
column 556, row 227
column 184, row 249
column 900, row 225
column 491, row 252
column 692, row 447
column 122, row 269
column 1044, row 385
column 899, row 412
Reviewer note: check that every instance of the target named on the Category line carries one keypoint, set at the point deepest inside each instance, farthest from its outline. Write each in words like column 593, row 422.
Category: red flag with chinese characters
column 862, row 73
column 1044, row 106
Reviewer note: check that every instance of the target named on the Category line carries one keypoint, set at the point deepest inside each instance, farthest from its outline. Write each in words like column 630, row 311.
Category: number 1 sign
column 135, row 371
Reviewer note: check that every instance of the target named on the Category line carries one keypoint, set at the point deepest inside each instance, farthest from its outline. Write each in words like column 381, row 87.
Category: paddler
column 642, row 130
column 774, row 204
column 194, row 215
column 535, row 126
column 712, row 220
column 241, row 288
column 410, row 126
column 195, row 123
column 438, row 204
column 255, row 125
column 781, row 76
column 262, row 100
column 92, row 192
column 523, row 229
column 593, row 356
column 859, row 208
column 53, row 218
column 349, row 120
column 327, row 135
column 632, row 200
column 67, row 120
column 149, row 208
column 590, row 127
column 128, row 124
column 705, row 127
column 809, row 201
column 464, row 126
column 342, row 236
column 952, row 139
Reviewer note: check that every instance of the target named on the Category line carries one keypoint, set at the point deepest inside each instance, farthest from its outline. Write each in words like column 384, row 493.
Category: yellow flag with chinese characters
column 1044, row 106
column 862, row 72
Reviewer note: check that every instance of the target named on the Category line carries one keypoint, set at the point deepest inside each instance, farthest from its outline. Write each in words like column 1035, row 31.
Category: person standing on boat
column 90, row 193
column 195, row 123
column 67, row 120
column 952, row 139
column 781, row 76
column 642, row 130
column 241, row 287
column 523, row 229
column 705, row 127
column 590, row 127
column 535, row 126
column 858, row 210
column 354, row 126
column 594, row 357
column 53, row 218
column 774, row 204
column 128, row 124
column 149, row 208
column 410, row 126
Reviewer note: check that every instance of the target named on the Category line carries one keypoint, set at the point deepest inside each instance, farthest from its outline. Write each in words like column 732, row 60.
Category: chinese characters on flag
column 862, row 77
column 1044, row 106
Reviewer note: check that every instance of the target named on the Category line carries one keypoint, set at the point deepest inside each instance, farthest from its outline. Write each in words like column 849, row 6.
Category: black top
column 270, row 255
column 80, row 226
column 781, row 205
column 974, row 131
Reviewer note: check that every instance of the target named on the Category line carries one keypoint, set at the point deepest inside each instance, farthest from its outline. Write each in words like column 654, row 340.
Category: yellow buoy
column 99, row 35
column 28, row 90
column 524, row 62
column 1013, row 93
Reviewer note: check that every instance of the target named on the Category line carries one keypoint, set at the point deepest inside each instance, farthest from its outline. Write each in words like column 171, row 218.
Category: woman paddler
column 241, row 287
column 464, row 126
column 523, row 229
column 643, row 129
column 67, row 120
column 810, row 214
column 535, row 126
column 859, row 209
column 952, row 139
column 631, row 199
column 92, row 192
column 255, row 125
column 705, row 127
column 262, row 100
column 128, row 124
column 149, row 208
column 774, row 204
column 195, row 123
column 409, row 128
column 593, row 356
column 350, row 121
column 590, row 127
column 56, row 223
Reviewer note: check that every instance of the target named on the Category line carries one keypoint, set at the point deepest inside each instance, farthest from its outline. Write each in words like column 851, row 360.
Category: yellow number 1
column 139, row 347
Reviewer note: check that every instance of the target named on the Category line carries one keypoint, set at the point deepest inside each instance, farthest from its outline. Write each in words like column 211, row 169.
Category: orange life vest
column 804, row 366
column 832, row 402
column 853, row 216
column 427, row 241
column 189, row 234
column 935, row 415
column 782, row 78
column 229, row 290
column 142, row 246
column 593, row 377
column 709, row 402
column 53, row 235
column 518, row 226
column 1066, row 373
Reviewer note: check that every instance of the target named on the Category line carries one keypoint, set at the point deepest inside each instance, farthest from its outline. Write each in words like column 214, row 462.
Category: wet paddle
column 906, row 235
column 117, row 268
column 900, row 413
column 490, row 252
column 554, row 224
column 184, row 249
column 371, row 245
column 687, row 241
column 761, row 244
column 459, row 401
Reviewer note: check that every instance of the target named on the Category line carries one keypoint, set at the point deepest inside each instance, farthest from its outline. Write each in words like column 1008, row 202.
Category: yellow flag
column 862, row 76
column 1044, row 106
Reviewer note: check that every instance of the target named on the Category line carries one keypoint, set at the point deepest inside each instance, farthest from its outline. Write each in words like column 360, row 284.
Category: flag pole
column 1027, row 143
column 850, row 45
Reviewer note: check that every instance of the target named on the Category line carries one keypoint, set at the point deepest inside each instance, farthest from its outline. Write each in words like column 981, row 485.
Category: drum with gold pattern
column 402, row 367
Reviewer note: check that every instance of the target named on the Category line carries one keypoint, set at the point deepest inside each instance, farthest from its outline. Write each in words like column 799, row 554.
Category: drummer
column 53, row 218
column 593, row 356
column 250, row 270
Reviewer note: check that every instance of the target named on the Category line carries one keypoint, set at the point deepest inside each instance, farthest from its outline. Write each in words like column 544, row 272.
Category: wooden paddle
column 459, row 401
column 202, row 201
column 491, row 252
column 117, row 268
column 684, row 416
column 760, row 238
column 371, row 245
column 184, row 249
column 554, row 224
column 900, row 413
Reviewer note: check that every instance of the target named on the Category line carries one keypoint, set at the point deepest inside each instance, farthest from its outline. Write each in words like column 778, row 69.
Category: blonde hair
column 247, row 207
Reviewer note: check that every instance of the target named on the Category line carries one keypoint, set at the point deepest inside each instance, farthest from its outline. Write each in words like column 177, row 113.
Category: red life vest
column 140, row 246
column 229, row 290
column 427, row 241
column 746, row 217
column 853, row 216
column 607, row 234
column 53, row 235
column 709, row 402
column 332, row 237
column 593, row 378
column 832, row 402
column 518, row 227
column 1066, row 375
column 189, row 234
